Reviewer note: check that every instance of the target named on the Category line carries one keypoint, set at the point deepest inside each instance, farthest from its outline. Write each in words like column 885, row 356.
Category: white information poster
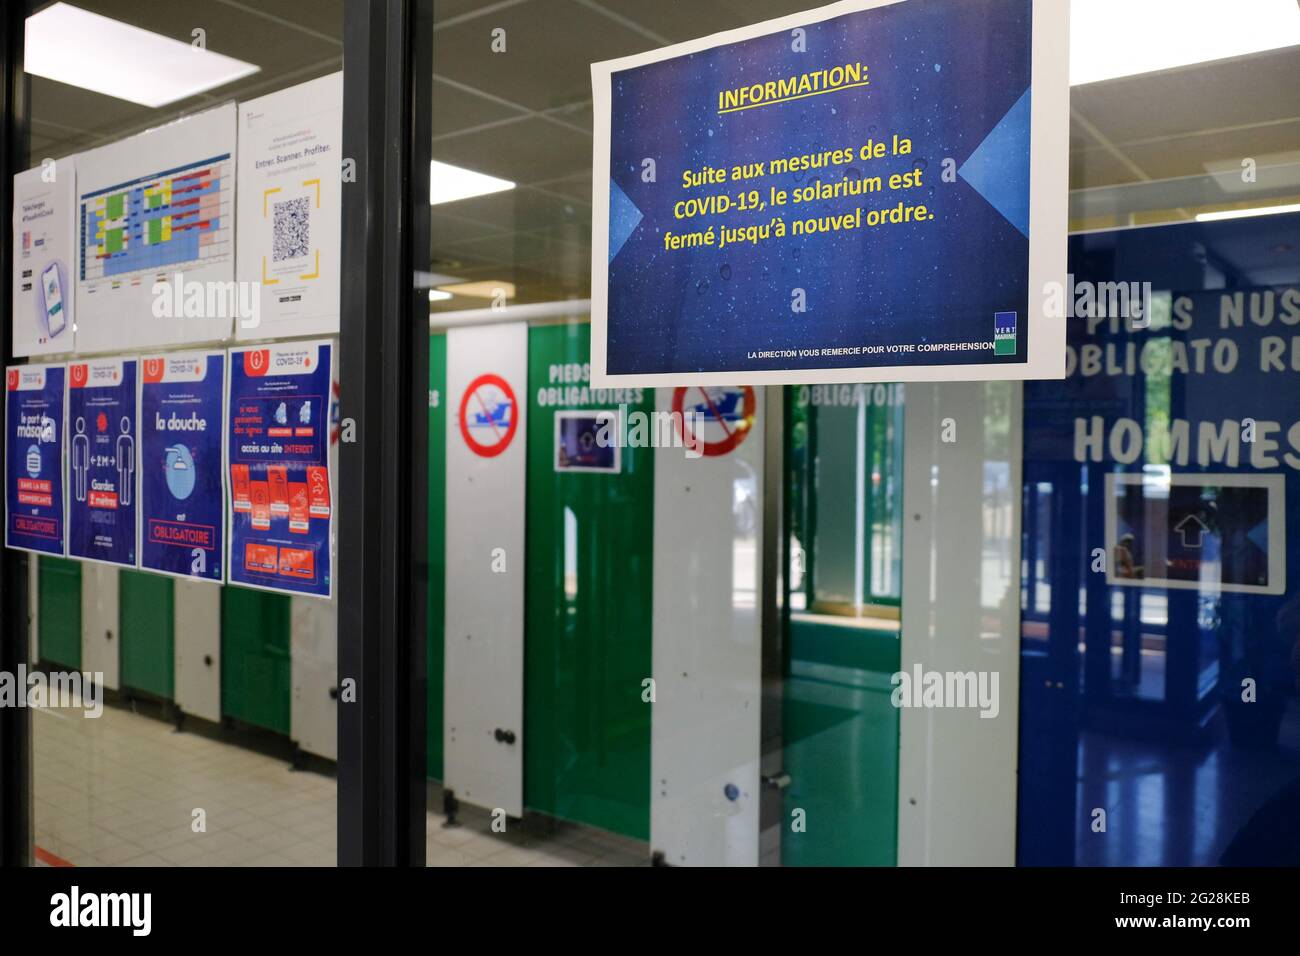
column 290, row 195
column 155, row 249
column 44, row 242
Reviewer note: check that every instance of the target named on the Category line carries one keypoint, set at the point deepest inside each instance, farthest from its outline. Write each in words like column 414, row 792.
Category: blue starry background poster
column 954, row 78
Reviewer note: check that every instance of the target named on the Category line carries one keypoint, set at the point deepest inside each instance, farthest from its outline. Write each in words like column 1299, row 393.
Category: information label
column 44, row 284
column 34, row 422
column 103, row 448
column 182, row 486
column 290, row 219
column 278, row 435
column 846, row 195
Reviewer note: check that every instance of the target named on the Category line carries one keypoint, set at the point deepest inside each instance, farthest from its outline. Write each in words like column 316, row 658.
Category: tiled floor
column 123, row 789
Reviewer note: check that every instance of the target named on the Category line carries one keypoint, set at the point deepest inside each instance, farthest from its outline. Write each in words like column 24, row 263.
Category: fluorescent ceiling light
column 81, row 48
column 437, row 295
column 487, row 289
column 1113, row 38
column 1245, row 213
column 448, row 183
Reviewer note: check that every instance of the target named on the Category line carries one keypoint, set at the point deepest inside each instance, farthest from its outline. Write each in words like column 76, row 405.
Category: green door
column 146, row 622
column 256, row 680
column 587, row 641
column 839, row 728
column 437, row 556
column 60, row 612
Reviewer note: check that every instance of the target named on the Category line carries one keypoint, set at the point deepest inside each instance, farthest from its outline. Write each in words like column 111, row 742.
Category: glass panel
column 245, row 676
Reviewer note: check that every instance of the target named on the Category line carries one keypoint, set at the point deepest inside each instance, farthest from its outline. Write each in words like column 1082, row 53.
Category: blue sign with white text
column 103, row 443
column 34, row 407
column 278, row 433
column 852, row 194
column 182, row 496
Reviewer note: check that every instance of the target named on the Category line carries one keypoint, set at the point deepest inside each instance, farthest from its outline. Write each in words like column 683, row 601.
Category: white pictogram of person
column 125, row 462
column 80, row 459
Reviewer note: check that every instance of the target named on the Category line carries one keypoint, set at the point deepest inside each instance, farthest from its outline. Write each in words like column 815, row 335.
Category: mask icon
column 180, row 472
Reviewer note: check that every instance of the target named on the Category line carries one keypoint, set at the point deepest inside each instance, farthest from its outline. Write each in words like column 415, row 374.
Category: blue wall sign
column 851, row 194
column 34, row 422
column 182, row 490
column 103, row 460
column 278, row 438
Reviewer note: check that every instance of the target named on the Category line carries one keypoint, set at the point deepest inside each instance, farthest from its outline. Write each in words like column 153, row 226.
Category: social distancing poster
column 103, row 456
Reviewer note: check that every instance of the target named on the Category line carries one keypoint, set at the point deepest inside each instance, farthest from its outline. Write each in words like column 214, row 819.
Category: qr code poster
column 290, row 197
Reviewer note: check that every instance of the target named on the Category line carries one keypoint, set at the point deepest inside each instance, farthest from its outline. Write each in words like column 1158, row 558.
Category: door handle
column 504, row 736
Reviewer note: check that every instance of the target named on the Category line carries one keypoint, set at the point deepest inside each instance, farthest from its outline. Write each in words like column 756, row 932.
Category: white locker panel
column 705, row 732
column 960, row 613
column 484, row 657
column 99, row 622
column 197, row 652
column 313, row 652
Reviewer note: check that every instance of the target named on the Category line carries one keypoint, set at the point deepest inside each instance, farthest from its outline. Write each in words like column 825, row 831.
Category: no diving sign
column 489, row 415
column 722, row 415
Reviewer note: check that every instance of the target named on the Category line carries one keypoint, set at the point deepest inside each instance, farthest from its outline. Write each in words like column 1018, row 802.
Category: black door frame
column 382, row 564
column 16, row 831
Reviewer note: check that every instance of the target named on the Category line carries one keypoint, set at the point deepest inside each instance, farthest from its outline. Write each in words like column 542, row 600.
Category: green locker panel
column 437, row 553
column 60, row 612
column 256, row 679
column 146, row 613
column 841, row 745
column 587, row 641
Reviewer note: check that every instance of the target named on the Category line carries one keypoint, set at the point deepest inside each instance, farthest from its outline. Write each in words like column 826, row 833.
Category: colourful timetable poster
column 182, row 481
column 872, row 191
column 290, row 219
column 34, row 505
column 155, row 251
column 279, row 403
column 103, row 450
column 45, row 241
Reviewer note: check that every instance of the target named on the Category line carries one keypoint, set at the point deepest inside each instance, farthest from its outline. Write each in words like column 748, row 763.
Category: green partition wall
column 437, row 555
column 59, row 615
column 256, row 679
column 587, row 641
column 146, row 622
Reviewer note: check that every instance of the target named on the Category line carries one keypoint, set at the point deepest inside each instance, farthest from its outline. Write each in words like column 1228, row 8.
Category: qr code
column 292, row 229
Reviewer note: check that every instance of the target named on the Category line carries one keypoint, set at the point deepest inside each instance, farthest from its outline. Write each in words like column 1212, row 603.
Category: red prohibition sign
column 719, row 412
column 489, row 417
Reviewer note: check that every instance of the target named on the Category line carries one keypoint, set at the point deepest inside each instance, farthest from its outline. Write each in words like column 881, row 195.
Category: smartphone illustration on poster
column 56, row 318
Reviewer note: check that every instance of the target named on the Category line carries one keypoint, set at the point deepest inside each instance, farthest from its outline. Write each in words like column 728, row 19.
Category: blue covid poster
column 278, row 438
column 34, row 421
column 850, row 194
column 182, row 490
column 103, row 454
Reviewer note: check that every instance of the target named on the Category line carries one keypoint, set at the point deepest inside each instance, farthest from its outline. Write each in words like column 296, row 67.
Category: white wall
column 960, row 612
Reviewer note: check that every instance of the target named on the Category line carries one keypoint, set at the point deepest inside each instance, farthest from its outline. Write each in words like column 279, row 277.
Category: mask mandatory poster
column 278, row 438
column 872, row 191
column 103, row 442
column 182, row 493
column 34, row 405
